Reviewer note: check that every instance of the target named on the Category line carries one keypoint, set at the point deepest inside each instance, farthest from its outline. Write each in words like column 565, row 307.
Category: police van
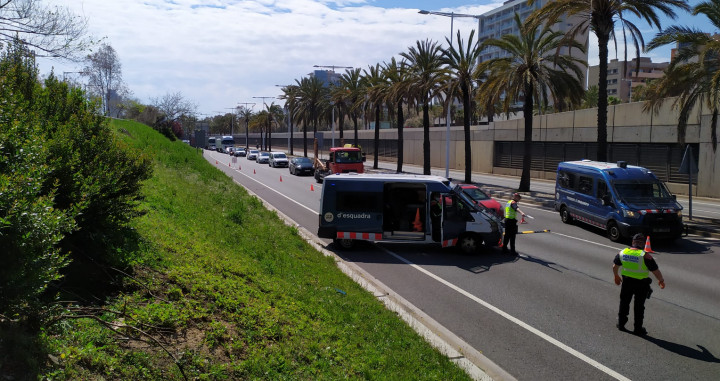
column 619, row 198
column 404, row 209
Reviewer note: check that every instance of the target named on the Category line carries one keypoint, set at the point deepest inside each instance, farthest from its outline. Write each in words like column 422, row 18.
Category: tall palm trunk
column 527, row 145
column 269, row 135
column 400, row 139
column 341, row 126
column 426, row 137
column 355, row 127
column 466, row 127
column 602, row 100
column 377, row 136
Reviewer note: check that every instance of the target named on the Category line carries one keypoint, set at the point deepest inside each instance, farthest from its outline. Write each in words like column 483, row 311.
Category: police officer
column 511, row 228
column 636, row 265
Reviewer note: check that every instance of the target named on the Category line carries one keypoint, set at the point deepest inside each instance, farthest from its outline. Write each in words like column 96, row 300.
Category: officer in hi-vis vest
column 511, row 228
column 636, row 266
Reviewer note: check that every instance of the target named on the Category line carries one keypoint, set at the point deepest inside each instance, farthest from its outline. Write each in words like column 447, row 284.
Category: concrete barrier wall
column 627, row 123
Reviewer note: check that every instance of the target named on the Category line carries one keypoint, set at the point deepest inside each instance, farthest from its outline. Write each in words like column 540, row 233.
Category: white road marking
column 513, row 319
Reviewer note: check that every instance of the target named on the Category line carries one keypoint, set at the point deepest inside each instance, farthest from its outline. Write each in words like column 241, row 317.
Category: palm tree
column 462, row 62
column 311, row 94
column 600, row 16
column 246, row 113
column 395, row 74
column 275, row 113
column 693, row 76
column 350, row 80
column 291, row 101
column 426, row 74
column 533, row 71
column 373, row 80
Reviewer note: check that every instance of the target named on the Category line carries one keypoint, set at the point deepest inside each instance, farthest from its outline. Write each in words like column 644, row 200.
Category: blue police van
column 619, row 198
column 403, row 209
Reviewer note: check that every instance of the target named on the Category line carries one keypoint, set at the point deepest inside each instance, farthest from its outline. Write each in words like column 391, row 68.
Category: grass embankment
column 222, row 289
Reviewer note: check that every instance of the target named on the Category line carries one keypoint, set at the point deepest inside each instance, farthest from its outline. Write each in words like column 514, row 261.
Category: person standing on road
column 636, row 265
column 511, row 228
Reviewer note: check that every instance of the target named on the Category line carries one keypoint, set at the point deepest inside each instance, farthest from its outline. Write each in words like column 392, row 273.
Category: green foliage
column 30, row 224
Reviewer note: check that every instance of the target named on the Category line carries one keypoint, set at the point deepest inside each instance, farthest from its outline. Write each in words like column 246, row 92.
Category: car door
column 454, row 219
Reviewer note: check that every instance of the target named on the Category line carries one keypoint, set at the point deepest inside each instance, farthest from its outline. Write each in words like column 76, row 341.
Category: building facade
column 623, row 76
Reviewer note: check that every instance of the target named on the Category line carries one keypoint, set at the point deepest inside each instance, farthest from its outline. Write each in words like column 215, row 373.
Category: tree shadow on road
column 702, row 354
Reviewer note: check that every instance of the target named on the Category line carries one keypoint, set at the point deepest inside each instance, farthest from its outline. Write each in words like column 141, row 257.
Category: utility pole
column 265, row 144
column 232, row 121
column 247, row 123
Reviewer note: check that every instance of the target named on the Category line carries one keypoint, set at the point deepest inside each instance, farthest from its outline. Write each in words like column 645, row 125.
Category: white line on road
column 513, row 319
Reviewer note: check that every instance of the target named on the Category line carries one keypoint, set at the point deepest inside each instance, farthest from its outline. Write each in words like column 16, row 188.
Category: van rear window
column 358, row 202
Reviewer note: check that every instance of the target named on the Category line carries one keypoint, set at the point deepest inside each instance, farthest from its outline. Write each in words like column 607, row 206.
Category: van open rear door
column 453, row 220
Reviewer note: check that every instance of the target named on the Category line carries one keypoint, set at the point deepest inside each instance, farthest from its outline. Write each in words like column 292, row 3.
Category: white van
column 403, row 209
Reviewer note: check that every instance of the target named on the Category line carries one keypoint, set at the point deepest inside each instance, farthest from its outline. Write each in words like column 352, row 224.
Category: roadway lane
column 550, row 313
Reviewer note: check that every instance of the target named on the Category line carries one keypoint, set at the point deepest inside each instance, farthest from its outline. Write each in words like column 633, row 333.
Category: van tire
column 469, row 243
column 344, row 244
column 565, row 216
column 613, row 231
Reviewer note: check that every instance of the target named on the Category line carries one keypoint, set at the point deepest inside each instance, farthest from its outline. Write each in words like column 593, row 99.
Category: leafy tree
column 590, row 99
column 426, row 75
column 531, row 71
column 373, row 81
column 601, row 16
column 50, row 31
column 312, row 94
column 291, row 100
column 693, row 76
column 350, row 80
column 395, row 72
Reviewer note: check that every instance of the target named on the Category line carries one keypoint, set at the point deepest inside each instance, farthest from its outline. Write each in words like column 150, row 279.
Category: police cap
column 638, row 237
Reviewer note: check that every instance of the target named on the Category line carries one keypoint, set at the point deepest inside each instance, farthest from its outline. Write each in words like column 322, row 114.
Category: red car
column 481, row 198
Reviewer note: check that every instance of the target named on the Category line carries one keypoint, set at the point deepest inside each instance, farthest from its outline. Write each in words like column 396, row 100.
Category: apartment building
column 623, row 76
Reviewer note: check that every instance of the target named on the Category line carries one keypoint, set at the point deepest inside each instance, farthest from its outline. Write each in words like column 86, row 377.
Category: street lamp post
column 452, row 16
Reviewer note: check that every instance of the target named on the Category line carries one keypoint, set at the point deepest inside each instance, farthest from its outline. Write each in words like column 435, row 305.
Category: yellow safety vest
column 510, row 213
column 633, row 263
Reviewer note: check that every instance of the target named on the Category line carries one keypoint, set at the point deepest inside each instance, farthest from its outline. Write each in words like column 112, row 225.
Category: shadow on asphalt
column 701, row 354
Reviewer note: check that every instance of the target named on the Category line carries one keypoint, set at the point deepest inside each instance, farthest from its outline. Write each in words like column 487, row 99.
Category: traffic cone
column 229, row 165
column 253, row 171
column 311, row 188
column 216, row 163
column 648, row 249
column 417, row 224
column 500, row 244
column 280, row 178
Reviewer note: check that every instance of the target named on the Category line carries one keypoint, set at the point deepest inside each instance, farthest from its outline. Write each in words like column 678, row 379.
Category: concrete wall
column 626, row 123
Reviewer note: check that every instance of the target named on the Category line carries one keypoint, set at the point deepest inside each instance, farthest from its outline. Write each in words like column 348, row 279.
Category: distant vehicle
column 278, row 159
column 481, row 198
column 225, row 143
column 263, row 157
column 240, row 151
column 619, row 198
column 212, row 147
column 211, row 143
column 341, row 160
column 230, row 151
column 301, row 166
column 252, row 154
column 403, row 209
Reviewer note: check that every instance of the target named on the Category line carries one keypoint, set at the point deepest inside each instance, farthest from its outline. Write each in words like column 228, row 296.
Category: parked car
column 240, row 151
column 278, row 159
column 252, row 154
column 263, row 157
column 481, row 198
column 301, row 166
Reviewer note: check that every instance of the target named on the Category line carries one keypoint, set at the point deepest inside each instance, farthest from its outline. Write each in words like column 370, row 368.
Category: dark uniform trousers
column 511, row 230
column 638, row 288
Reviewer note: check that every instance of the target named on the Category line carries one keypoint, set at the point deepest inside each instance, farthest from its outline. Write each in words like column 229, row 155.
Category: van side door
column 454, row 218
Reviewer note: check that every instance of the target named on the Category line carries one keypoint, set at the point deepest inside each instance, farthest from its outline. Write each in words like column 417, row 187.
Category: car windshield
column 637, row 189
column 279, row 156
column 253, row 151
column 348, row 157
column 476, row 194
column 303, row 160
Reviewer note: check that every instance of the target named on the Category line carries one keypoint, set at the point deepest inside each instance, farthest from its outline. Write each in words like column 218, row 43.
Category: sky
column 219, row 54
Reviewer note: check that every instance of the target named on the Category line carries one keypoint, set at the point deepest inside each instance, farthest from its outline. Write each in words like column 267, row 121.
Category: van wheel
column 345, row 244
column 565, row 216
column 613, row 231
column 469, row 243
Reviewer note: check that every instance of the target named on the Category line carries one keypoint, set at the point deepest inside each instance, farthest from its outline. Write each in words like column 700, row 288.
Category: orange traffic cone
column 648, row 249
column 417, row 224
column 253, row 171
column 280, row 178
column 229, row 165
column 500, row 244
column 216, row 162
column 311, row 188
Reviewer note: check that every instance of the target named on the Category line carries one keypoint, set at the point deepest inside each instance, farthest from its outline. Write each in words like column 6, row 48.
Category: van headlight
column 630, row 214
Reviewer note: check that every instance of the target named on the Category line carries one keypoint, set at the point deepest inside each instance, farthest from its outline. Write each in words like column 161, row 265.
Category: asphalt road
column 549, row 313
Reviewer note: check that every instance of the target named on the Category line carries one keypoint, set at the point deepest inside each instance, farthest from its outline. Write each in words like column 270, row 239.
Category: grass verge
column 222, row 289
